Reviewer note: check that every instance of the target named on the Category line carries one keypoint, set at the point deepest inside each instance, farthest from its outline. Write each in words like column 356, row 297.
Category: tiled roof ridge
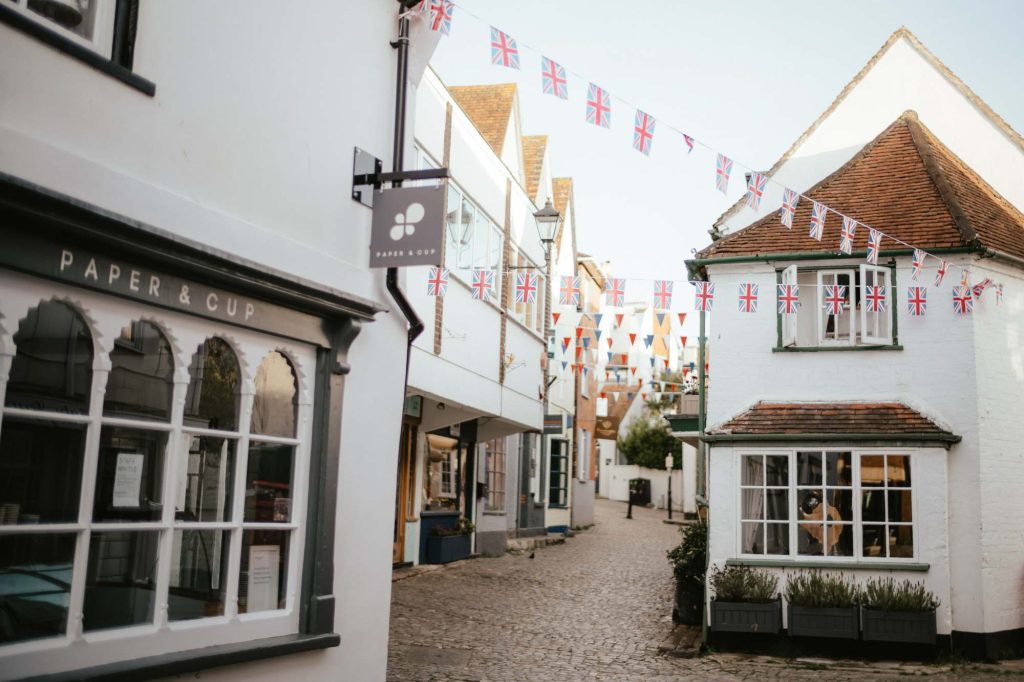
column 534, row 148
column 945, row 71
column 791, row 417
column 507, row 92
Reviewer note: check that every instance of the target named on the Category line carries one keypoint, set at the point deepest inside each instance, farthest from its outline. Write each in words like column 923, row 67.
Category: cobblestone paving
column 595, row 608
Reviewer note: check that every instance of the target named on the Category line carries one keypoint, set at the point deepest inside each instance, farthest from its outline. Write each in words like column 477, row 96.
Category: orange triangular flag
column 579, row 332
column 682, row 318
column 632, row 371
column 632, row 339
column 609, row 342
column 683, row 339
column 618, row 319
column 555, row 316
column 666, row 363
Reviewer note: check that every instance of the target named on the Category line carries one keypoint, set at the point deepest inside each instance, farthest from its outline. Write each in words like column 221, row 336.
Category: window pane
column 206, row 472
column 78, row 17
column 840, row 538
column 40, row 471
column 808, row 468
column 263, row 578
column 453, row 235
column 52, row 369
column 276, row 403
column 898, row 471
column 778, row 505
column 142, row 374
column 120, row 584
column 871, row 470
column 465, row 245
column 753, row 503
column 872, row 505
column 838, row 469
column 874, row 541
column 778, row 470
column 811, row 538
column 840, row 504
column 268, row 482
column 129, row 475
column 753, row 538
column 901, row 541
column 753, row 470
column 778, row 538
column 215, row 378
column 900, row 508
column 198, row 574
column 35, row 585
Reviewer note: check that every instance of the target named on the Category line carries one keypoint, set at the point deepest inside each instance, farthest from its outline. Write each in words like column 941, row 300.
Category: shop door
column 404, row 487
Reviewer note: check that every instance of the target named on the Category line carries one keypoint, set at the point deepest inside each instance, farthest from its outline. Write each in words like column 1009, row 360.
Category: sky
column 747, row 78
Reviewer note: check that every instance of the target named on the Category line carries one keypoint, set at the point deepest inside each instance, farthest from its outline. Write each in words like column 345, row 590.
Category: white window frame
column 104, row 317
column 102, row 39
column 857, row 501
column 851, row 337
column 876, row 328
column 789, row 322
column 494, row 451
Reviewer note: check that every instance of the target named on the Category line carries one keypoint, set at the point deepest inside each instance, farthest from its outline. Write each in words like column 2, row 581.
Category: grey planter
column 442, row 549
column 689, row 603
column 912, row 627
column 746, row 617
column 806, row 621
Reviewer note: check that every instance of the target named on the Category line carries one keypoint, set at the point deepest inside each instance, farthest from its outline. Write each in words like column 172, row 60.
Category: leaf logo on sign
column 405, row 223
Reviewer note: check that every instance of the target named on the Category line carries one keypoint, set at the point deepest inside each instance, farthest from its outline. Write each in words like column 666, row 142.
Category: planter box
column 447, row 548
column 806, row 621
column 744, row 617
column 913, row 627
column 689, row 603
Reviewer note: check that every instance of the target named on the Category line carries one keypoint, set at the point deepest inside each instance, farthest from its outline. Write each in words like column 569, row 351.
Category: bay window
column 472, row 240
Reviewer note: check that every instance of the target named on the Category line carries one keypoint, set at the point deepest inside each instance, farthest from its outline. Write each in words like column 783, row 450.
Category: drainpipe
column 701, row 468
column 397, row 162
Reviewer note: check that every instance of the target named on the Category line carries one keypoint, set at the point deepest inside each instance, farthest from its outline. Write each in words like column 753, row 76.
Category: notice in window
column 264, row 572
column 127, row 479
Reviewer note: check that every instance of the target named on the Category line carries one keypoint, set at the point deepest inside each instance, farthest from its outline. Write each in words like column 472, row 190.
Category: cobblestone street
column 596, row 607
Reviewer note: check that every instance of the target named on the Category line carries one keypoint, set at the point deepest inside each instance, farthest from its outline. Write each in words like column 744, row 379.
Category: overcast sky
column 745, row 77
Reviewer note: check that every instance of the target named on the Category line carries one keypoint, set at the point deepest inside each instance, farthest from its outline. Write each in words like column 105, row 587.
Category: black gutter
column 397, row 162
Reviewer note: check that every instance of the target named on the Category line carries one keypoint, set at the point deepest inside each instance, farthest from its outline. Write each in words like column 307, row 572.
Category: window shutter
column 789, row 325
column 876, row 328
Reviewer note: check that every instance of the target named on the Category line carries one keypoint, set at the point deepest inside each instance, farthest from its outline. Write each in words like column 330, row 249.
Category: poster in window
column 264, row 572
column 127, row 479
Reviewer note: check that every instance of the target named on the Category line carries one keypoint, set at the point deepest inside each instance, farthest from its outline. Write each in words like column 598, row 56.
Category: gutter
column 929, row 437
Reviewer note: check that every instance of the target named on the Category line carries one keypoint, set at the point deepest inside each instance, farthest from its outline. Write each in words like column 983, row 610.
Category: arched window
column 141, row 376
column 215, row 380
column 276, row 403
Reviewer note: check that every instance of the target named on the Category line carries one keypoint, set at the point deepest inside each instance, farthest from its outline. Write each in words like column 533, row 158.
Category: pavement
column 595, row 608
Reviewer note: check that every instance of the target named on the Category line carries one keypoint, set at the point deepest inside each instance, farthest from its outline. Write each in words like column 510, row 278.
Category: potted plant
column 899, row 611
column 823, row 605
column 689, row 566
column 746, row 600
column 449, row 543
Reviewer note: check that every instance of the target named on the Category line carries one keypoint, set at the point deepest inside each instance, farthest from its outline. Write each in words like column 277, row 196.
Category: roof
column 488, row 108
column 562, row 189
column 880, row 419
column 901, row 33
column 906, row 183
column 534, row 147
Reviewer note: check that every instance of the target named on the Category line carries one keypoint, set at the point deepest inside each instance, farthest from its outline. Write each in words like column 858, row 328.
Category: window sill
column 195, row 660
column 828, row 349
column 20, row 22
column 494, row 512
column 825, row 564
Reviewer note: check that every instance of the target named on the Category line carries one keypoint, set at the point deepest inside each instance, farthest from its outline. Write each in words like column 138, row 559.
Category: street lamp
column 548, row 221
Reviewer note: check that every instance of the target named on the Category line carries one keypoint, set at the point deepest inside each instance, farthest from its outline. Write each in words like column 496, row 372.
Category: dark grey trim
column 126, row 24
column 20, row 22
column 830, row 349
column 915, row 567
column 195, row 660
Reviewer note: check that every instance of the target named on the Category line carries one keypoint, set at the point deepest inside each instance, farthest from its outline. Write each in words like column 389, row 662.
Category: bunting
column 917, row 264
column 599, row 107
column 526, row 287
column 917, row 300
column 643, row 132
column 875, row 299
column 704, row 297
column 789, row 298
column 553, row 79
column 441, row 16
column 689, row 143
column 835, row 299
column 747, row 300
column 482, row 284
column 818, row 215
column 847, row 234
column 756, row 184
column 963, row 302
column 615, row 289
column 569, row 292
column 874, row 245
column 723, row 168
column 504, row 51
column 437, row 282
column 941, row 272
column 789, row 202
column 662, row 294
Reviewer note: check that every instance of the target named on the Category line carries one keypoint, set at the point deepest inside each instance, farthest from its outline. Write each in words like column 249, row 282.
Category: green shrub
column 822, row 590
column 743, row 584
column 887, row 594
column 689, row 558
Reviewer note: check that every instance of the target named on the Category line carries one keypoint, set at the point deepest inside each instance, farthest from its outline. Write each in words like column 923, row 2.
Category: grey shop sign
column 408, row 227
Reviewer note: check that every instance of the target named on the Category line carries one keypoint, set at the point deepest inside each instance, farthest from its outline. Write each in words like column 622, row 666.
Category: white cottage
column 880, row 443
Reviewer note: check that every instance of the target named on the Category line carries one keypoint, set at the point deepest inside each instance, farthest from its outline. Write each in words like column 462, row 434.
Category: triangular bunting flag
column 652, row 362
column 565, row 343
column 586, row 343
column 579, row 332
column 597, row 335
column 632, row 370
column 597, row 319
column 648, row 340
column 610, row 354
column 618, row 320
column 683, row 339
column 609, row 339
column 661, row 318
column 665, row 360
column 629, row 395
column 632, row 339
column 564, row 365
column 554, row 318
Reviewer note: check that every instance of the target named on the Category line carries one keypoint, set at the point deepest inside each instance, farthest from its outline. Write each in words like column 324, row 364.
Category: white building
column 193, row 474
column 901, row 459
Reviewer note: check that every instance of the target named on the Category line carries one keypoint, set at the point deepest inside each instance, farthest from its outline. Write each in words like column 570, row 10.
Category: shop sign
column 554, row 424
column 408, row 227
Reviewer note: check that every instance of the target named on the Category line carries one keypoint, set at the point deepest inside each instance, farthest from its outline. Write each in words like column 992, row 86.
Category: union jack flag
column 979, row 288
column 835, row 299
column 441, row 16
column 846, row 235
column 569, row 293
column 876, row 299
column 917, row 263
column 526, row 287
column 616, row 290
column 917, row 300
column 874, row 245
column 965, row 277
column 663, row 294
column 963, row 302
column 482, row 284
column 941, row 272
column 723, row 168
column 689, row 143
column 789, row 202
column 504, row 51
column 704, row 297
column 818, row 214
column 789, row 298
column 553, row 79
column 599, row 107
column 999, row 294
column 643, row 132
column 748, row 299
column 437, row 282
column 755, row 189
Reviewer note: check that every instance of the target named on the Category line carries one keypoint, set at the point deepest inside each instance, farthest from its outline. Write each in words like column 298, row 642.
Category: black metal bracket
column 368, row 175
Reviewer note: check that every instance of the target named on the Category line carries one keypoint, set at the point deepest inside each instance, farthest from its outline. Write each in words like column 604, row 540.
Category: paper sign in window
column 264, row 573
column 127, row 479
